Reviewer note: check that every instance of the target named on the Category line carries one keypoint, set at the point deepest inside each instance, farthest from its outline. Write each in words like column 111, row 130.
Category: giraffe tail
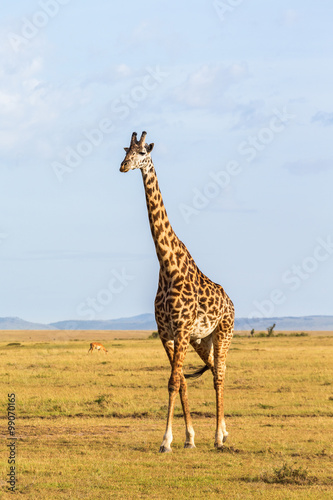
column 197, row 373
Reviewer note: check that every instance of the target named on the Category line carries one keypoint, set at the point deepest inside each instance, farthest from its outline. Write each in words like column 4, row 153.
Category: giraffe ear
column 150, row 147
column 127, row 150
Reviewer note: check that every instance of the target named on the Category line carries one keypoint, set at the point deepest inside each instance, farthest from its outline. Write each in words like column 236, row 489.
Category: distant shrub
column 262, row 334
column 103, row 400
column 154, row 335
column 288, row 474
column 293, row 334
column 252, row 332
column 265, row 407
column 270, row 330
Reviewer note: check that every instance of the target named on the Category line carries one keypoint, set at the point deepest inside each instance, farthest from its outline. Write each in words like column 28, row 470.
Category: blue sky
column 236, row 96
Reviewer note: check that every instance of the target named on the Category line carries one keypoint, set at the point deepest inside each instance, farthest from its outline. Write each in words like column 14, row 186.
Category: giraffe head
column 137, row 155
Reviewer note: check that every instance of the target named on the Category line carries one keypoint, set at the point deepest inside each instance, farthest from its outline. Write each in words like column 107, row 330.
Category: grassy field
column 90, row 426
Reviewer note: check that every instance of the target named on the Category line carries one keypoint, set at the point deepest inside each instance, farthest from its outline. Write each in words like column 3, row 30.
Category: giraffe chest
column 191, row 301
column 172, row 312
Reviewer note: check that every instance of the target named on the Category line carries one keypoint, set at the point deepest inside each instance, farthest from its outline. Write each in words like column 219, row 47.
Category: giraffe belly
column 203, row 327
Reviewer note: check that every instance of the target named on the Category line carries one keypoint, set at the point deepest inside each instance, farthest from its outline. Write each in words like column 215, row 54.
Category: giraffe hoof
column 225, row 438
column 219, row 446
column 189, row 445
column 164, row 449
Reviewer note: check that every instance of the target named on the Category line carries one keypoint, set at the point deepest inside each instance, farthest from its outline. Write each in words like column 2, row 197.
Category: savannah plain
column 90, row 426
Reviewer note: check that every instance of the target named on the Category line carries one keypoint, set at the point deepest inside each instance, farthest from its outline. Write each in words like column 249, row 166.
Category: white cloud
column 207, row 85
column 31, row 107
column 8, row 102
column 123, row 70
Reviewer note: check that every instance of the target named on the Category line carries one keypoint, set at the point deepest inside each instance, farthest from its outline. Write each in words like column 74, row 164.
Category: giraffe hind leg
column 221, row 341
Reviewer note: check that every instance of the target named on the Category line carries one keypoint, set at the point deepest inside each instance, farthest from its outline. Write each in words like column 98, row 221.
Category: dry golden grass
column 89, row 426
column 67, row 335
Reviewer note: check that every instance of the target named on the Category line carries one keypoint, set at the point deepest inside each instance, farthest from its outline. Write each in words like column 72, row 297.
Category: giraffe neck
column 163, row 235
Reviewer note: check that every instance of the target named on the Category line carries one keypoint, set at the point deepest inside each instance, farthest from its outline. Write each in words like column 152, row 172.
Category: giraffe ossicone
column 189, row 307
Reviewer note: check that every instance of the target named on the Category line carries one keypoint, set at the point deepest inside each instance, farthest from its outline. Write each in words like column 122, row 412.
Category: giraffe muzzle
column 124, row 167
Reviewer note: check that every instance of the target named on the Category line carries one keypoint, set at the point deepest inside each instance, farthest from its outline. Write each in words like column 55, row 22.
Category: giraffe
column 189, row 307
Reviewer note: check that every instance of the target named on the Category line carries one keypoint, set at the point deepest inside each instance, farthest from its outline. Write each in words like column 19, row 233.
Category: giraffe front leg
column 167, row 438
column 177, row 384
column 189, row 433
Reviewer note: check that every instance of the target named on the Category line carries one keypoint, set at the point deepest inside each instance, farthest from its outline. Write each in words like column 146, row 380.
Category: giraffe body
column 189, row 307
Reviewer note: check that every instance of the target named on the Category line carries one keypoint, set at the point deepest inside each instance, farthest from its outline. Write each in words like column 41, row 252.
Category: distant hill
column 141, row 322
column 301, row 323
column 147, row 322
column 21, row 324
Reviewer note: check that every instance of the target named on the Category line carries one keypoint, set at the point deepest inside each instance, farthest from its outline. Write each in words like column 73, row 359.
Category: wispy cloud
column 308, row 167
column 31, row 107
column 323, row 117
column 249, row 115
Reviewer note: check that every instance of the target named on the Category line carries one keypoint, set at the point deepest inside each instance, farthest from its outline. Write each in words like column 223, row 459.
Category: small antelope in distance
column 98, row 346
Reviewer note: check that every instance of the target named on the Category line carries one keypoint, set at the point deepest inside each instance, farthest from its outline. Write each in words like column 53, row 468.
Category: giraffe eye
column 142, row 153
